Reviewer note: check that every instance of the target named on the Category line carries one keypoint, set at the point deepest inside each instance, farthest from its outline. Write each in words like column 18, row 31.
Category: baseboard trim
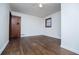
column 70, row 49
column 29, row 35
column 39, row 35
column 52, row 36
column 2, row 49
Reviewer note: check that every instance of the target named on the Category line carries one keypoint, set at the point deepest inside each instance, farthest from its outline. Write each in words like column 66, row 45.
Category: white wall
column 30, row 25
column 70, row 27
column 4, row 26
column 55, row 30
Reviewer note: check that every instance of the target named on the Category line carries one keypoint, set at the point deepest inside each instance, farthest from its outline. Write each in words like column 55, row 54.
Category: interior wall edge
column 4, row 46
column 70, row 49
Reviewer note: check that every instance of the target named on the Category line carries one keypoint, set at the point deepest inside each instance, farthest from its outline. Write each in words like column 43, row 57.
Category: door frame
column 10, row 18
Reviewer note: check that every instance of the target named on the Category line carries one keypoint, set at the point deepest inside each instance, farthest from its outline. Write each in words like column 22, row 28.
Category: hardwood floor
column 36, row 45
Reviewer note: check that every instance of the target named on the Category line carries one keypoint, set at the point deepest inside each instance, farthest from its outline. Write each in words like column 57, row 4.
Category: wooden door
column 15, row 26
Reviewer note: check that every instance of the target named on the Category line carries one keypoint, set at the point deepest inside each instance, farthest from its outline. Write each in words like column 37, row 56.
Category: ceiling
column 35, row 10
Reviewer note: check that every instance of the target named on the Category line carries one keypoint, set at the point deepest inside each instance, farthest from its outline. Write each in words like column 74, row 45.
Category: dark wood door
column 15, row 26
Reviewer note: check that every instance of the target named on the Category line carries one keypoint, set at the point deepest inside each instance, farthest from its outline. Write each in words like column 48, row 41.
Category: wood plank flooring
column 36, row 45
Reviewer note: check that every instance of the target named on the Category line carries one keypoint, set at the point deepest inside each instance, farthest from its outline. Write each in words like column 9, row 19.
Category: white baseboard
column 53, row 36
column 28, row 35
column 70, row 49
column 4, row 46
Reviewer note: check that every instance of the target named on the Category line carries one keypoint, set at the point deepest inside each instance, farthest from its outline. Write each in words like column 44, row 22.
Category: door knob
column 17, row 23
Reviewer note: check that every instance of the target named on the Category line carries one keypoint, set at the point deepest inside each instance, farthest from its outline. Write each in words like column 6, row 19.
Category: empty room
column 39, row 29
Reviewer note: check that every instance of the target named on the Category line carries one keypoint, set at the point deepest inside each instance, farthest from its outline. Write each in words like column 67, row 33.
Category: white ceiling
column 35, row 10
